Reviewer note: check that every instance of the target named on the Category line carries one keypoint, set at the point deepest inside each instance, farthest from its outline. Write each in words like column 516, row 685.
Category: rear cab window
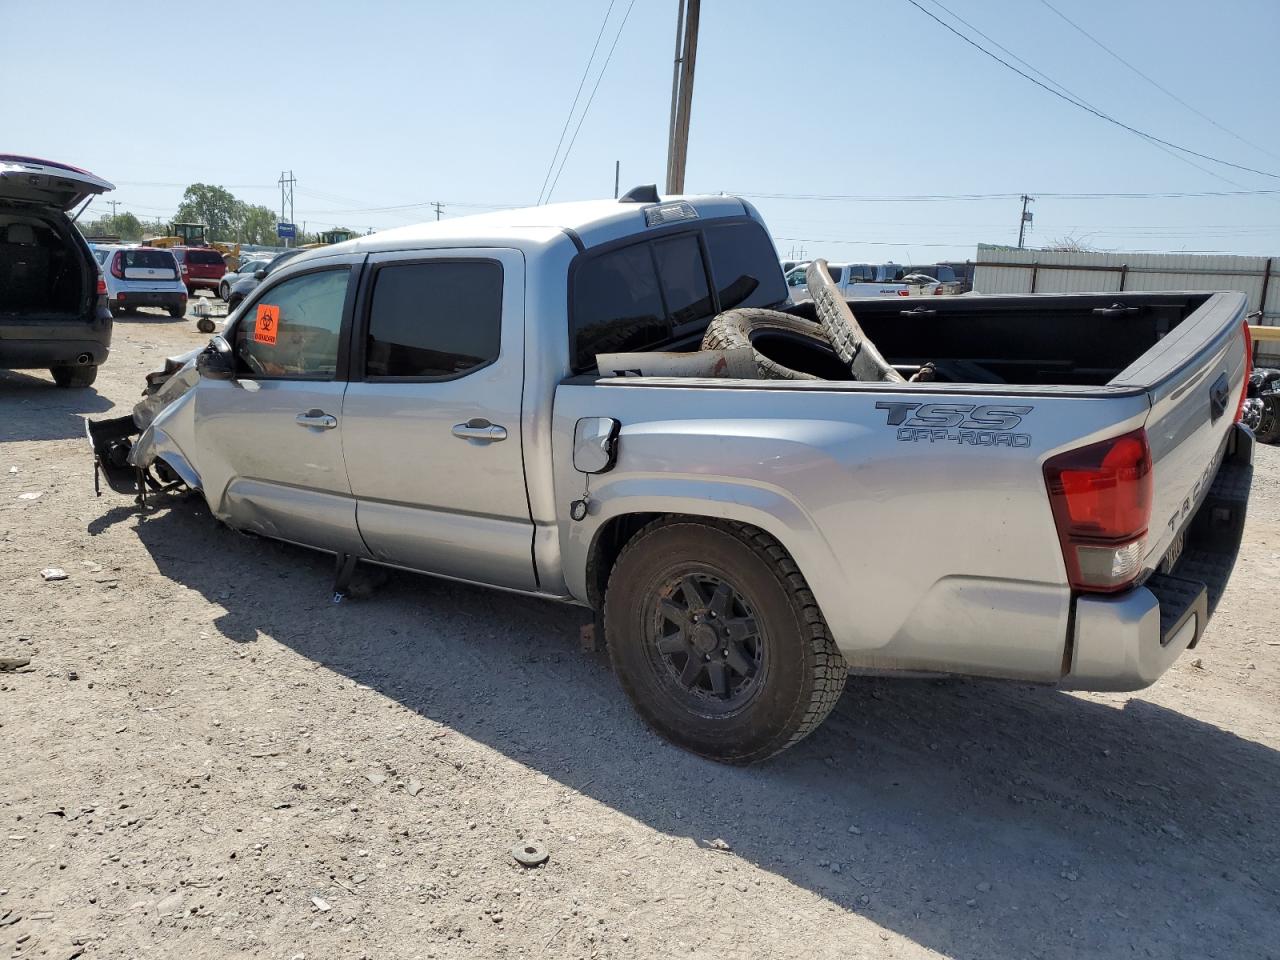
column 205, row 258
column 657, row 290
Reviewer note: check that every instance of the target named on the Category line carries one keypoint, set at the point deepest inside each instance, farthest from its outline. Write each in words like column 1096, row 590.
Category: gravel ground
column 206, row 758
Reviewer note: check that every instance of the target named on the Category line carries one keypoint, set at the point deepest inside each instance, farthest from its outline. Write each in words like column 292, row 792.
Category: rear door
column 271, row 440
column 431, row 420
column 47, row 183
column 205, row 264
column 149, row 269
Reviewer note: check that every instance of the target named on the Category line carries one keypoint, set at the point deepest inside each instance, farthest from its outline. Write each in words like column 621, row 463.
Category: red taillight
column 1248, row 371
column 904, row 293
column 102, row 285
column 1101, row 500
column 117, row 265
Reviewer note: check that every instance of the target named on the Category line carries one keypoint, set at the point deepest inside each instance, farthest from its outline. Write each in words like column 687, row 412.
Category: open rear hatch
column 47, row 183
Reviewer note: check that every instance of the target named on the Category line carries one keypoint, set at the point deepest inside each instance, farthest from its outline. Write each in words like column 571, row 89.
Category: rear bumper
column 1126, row 641
column 42, row 354
column 148, row 298
column 204, row 283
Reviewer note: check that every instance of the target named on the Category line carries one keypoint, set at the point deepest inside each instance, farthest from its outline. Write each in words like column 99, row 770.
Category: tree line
column 225, row 217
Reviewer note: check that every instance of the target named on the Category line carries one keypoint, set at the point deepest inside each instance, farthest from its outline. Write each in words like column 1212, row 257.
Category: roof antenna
column 647, row 193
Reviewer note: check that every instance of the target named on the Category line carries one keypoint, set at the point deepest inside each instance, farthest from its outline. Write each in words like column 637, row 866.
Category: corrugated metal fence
column 1010, row 270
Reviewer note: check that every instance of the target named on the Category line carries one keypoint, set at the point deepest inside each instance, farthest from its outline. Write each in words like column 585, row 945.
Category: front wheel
column 224, row 291
column 718, row 641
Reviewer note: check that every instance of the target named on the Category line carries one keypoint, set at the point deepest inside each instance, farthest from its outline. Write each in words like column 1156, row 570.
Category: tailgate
column 1194, row 376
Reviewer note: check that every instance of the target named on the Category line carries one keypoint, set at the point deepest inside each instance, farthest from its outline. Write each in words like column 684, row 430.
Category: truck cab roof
column 587, row 223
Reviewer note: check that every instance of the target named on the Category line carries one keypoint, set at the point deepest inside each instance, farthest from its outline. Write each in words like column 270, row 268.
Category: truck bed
column 1080, row 340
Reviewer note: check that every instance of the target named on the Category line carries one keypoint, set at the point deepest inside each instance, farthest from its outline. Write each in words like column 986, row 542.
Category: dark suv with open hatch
column 53, row 304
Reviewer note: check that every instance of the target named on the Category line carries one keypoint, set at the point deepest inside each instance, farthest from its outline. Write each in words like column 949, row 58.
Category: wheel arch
column 785, row 523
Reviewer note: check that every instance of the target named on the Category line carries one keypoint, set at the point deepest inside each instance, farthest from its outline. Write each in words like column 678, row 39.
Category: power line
column 1163, row 89
column 1084, row 106
column 950, row 197
column 583, row 115
column 1072, row 95
column 952, row 246
column 573, row 106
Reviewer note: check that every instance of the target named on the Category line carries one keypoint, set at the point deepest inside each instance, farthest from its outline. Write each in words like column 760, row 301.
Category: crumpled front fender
column 168, row 437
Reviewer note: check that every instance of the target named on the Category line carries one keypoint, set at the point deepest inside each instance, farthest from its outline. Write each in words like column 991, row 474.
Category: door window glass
column 431, row 320
column 292, row 331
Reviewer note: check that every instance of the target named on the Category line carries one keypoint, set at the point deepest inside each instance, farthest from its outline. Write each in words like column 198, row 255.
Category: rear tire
column 177, row 312
column 67, row 377
column 1269, row 426
column 776, row 337
column 736, row 667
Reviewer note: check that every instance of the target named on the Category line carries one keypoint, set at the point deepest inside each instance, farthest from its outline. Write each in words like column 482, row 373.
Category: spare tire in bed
column 786, row 347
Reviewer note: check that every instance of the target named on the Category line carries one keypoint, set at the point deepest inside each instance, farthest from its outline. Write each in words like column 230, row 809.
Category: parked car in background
column 964, row 271
column 53, row 303
column 246, row 269
column 202, row 267
column 940, row 273
column 141, row 277
column 863, row 280
column 247, row 284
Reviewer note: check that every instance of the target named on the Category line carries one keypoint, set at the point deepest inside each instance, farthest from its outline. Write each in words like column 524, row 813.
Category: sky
column 862, row 103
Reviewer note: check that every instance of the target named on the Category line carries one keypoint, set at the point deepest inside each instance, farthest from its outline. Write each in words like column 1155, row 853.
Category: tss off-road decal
column 981, row 425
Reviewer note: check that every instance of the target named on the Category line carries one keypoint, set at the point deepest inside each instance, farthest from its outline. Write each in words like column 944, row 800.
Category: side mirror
column 216, row 361
column 259, row 274
column 595, row 444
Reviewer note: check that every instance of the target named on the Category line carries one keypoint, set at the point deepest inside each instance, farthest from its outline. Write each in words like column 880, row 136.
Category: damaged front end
column 151, row 462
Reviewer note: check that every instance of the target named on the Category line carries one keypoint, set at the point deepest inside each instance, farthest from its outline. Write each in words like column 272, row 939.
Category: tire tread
column 828, row 667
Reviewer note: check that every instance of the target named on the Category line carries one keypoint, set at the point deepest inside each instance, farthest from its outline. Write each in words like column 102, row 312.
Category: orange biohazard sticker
column 267, row 325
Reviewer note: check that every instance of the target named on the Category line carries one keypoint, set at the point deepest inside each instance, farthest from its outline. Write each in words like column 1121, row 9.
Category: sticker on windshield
column 267, row 324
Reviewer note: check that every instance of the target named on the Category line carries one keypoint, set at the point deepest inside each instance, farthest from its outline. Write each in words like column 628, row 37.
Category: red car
column 201, row 267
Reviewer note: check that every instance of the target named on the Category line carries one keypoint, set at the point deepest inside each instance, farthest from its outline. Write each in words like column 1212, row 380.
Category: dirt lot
column 206, row 758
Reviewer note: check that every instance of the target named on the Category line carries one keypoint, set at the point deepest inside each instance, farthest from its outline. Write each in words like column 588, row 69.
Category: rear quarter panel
column 926, row 545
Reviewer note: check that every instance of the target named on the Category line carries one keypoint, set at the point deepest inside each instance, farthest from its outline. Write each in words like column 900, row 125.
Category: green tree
column 257, row 225
column 123, row 225
column 215, row 207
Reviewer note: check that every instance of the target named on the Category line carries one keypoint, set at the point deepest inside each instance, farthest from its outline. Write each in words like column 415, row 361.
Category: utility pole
column 1025, row 219
column 286, row 198
column 114, row 204
column 437, row 205
column 617, row 174
column 682, row 93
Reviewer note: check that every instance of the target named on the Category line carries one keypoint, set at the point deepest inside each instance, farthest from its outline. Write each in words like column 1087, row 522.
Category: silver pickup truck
column 1062, row 503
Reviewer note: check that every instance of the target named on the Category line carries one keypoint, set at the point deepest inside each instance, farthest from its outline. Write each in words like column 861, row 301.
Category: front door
column 271, row 440
column 431, row 418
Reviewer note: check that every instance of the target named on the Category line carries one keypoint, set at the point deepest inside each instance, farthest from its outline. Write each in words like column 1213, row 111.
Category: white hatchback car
column 141, row 277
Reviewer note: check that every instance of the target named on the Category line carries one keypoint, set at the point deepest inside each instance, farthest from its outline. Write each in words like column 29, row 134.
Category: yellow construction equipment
column 193, row 235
